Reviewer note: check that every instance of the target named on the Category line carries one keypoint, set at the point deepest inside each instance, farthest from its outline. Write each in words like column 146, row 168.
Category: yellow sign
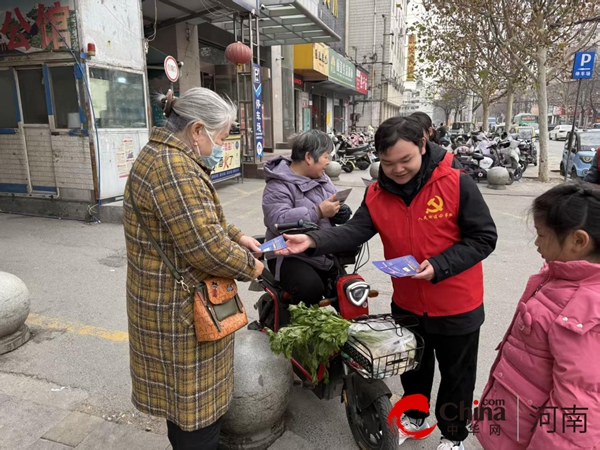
column 410, row 58
column 436, row 205
column 312, row 57
column 230, row 165
column 332, row 5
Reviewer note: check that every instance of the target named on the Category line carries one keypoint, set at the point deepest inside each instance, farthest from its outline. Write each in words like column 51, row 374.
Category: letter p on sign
column 584, row 65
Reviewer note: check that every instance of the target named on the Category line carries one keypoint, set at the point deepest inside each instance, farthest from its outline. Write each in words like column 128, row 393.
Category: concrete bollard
column 263, row 384
column 498, row 178
column 374, row 170
column 14, row 309
column 333, row 170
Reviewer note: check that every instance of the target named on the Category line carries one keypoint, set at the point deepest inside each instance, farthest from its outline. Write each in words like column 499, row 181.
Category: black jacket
column 475, row 222
column 593, row 176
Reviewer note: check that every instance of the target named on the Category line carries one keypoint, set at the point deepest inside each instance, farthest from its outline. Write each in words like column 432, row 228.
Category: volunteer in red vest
column 423, row 207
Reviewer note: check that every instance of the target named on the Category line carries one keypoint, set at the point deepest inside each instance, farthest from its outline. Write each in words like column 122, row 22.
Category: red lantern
column 238, row 53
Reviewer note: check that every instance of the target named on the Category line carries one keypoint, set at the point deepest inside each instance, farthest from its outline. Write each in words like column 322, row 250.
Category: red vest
column 426, row 229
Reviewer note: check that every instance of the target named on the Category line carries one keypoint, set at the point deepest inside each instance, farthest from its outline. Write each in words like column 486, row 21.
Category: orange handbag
column 218, row 310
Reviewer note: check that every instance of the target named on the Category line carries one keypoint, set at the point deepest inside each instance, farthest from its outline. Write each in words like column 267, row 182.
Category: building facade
column 377, row 41
column 80, row 78
column 75, row 86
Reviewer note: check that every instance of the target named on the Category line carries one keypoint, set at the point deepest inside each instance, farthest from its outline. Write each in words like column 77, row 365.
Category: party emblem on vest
column 435, row 210
column 436, row 205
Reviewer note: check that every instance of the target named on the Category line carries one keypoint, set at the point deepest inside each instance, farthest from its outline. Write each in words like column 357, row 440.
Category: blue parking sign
column 584, row 65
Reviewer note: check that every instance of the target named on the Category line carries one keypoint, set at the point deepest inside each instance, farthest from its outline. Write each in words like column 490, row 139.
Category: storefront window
column 118, row 98
column 64, row 95
column 33, row 96
column 8, row 112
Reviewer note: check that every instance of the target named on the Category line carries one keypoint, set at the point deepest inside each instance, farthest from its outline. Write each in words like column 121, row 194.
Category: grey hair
column 200, row 104
column 314, row 142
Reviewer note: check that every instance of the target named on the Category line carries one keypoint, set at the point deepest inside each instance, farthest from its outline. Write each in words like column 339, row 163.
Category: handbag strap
column 160, row 251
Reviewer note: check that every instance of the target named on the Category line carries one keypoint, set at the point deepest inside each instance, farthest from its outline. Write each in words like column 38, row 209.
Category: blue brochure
column 405, row 266
column 274, row 244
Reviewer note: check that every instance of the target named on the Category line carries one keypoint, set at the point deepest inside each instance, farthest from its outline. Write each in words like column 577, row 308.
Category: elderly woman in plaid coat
column 188, row 383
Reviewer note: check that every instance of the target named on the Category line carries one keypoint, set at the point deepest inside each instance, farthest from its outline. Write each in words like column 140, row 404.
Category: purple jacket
column 289, row 197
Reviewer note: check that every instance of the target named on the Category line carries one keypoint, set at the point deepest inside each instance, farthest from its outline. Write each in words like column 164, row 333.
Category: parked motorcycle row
column 353, row 151
column 479, row 152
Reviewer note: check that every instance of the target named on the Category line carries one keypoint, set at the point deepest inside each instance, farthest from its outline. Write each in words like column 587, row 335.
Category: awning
column 335, row 87
column 171, row 12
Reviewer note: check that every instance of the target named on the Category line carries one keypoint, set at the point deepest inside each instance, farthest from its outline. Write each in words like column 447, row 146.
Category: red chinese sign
column 37, row 26
column 362, row 81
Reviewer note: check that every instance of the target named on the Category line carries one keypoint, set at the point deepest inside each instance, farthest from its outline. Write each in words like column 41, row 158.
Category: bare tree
column 538, row 36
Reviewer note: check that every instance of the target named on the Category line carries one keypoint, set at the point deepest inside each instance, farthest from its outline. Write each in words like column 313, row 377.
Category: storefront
column 329, row 82
column 73, row 120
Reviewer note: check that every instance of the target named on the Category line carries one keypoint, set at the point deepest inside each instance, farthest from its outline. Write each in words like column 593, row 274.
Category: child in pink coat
column 543, row 392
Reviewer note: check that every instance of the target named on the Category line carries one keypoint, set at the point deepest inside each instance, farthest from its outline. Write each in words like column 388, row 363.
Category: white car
column 561, row 132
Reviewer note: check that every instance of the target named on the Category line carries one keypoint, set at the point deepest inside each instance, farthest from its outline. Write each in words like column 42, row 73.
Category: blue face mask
column 215, row 156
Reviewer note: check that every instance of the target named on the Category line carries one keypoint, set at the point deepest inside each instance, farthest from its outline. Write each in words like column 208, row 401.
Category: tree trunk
column 510, row 99
column 456, row 115
column 486, row 113
column 542, row 98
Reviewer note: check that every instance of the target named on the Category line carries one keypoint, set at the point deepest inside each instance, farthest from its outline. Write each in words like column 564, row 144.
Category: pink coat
column 549, row 358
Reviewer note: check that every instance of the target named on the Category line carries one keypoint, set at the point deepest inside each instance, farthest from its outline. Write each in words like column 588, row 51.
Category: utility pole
column 383, row 72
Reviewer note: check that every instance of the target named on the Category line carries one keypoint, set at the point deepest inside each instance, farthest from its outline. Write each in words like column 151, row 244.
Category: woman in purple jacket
column 298, row 189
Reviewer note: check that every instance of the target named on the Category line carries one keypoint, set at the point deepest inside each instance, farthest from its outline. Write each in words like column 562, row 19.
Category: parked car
column 562, row 132
column 461, row 128
column 596, row 126
column 552, row 126
column 587, row 143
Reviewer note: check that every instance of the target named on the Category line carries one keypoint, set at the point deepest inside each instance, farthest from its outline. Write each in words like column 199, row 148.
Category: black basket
column 358, row 356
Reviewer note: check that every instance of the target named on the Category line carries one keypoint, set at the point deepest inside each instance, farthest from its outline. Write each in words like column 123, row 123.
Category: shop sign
column 321, row 58
column 230, row 165
column 28, row 26
column 362, row 82
column 257, row 107
column 341, row 70
column 312, row 57
column 298, row 81
column 410, row 58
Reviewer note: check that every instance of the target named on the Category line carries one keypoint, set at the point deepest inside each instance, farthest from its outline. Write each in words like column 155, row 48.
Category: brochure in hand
column 274, row 244
column 341, row 196
column 405, row 266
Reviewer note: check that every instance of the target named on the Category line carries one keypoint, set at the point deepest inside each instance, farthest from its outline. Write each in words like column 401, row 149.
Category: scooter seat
column 477, row 156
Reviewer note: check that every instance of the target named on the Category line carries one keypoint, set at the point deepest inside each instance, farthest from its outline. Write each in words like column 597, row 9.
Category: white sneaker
column 445, row 444
column 412, row 425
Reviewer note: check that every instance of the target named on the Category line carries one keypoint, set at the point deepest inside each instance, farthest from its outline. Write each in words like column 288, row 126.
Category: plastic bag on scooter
column 386, row 342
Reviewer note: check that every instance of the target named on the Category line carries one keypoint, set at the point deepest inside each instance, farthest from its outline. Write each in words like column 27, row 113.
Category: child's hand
column 426, row 271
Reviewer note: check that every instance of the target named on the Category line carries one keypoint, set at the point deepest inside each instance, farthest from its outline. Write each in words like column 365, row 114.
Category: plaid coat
column 174, row 376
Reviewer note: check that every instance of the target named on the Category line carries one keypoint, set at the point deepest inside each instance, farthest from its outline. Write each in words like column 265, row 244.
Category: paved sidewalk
column 39, row 415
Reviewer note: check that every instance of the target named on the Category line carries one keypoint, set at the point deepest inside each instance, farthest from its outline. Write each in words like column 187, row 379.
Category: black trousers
column 457, row 361
column 302, row 281
column 203, row 439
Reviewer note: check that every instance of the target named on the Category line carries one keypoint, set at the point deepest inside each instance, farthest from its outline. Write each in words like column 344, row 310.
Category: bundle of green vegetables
column 316, row 333
column 313, row 335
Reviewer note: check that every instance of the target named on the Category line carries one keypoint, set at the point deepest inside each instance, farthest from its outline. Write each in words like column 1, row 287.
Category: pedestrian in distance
column 175, row 377
column 427, row 125
column 421, row 206
column 547, row 375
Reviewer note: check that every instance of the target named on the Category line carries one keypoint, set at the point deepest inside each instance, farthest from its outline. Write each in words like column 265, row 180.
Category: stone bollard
column 333, row 170
column 263, row 385
column 498, row 178
column 374, row 170
column 14, row 309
